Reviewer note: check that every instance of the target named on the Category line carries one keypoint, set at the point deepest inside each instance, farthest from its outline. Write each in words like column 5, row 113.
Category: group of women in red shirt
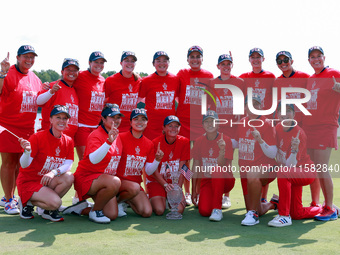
column 130, row 142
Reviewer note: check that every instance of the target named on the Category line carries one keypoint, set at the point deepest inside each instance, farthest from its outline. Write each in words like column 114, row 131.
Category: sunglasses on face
column 285, row 60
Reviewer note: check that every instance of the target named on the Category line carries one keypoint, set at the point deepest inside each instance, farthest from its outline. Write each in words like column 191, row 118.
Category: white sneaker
column 76, row 208
column 216, row 215
column 3, row 201
column 11, row 207
column 62, row 208
column 251, row 219
column 280, row 221
column 75, row 200
column 98, row 217
column 39, row 210
column 121, row 209
column 226, row 203
column 188, row 200
column 337, row 209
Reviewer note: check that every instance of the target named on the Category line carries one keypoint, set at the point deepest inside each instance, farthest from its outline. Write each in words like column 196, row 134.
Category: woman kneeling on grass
column 95, row 175
column 295, row 173
column 44, row 176
column 210, row 151
column 176, row 150
column 138, row 152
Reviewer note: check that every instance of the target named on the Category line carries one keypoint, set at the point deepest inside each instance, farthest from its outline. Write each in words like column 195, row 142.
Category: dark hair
column 135, row 76
column 101, row 120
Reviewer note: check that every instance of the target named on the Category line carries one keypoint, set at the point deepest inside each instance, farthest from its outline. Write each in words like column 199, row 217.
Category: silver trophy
column 175, row 197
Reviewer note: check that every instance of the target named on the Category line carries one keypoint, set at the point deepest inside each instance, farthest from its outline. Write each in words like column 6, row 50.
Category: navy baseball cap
column 258, row 50
column 159, row 54
column 70, row 62
column 96, row 55
column 195, row 48
column 256, row 97
column 315, row 48
column 111, row 110
column 224, row 57
column 138, row 111
column 60, row 109
column 24, row 49
column 171, row 118
column 126, row 54
column 210, row 114
column 284, row 53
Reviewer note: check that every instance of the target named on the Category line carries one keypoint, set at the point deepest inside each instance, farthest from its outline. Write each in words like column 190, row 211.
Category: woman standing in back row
column 321, row 126
column 122, row 88
column 193, row 81
column 159, row 90
column 18, row 94
column 89, row 87
column 62, row 92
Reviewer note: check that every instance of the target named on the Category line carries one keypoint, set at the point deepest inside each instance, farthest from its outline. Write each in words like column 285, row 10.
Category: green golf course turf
column 156, row 235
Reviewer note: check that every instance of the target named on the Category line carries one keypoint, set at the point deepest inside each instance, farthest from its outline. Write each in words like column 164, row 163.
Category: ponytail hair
column 136, row 76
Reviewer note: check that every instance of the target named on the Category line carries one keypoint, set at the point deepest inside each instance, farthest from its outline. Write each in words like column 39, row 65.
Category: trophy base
column 174, row 216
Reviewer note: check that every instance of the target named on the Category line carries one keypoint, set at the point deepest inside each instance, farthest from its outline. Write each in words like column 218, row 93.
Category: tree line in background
column 51, row 75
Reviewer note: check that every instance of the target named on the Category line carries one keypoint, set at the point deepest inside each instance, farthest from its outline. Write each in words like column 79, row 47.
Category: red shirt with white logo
column 249, row 150
column 109, row 164
column 262, row 84
column 90, row 91
column 207, row 151
column 159, row 93
column 64, row 96
column 124, row 92
column 324, row 104
column 190, row 100
column 136, row 152
column 18, row 99
column 224, row 104
column 173, row 154
column 48, row 153
column 297, row 80
column 284, row 143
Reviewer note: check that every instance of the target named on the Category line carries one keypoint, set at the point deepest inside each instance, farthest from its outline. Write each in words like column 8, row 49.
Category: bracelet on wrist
column 56, row 172
column 108, row 142
column 2, row 71
column 3, row 76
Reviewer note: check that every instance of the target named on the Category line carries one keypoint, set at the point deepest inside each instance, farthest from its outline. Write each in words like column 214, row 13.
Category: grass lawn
column 156, row 235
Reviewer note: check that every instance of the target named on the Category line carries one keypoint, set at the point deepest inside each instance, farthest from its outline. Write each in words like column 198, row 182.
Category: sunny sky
column 69, row 28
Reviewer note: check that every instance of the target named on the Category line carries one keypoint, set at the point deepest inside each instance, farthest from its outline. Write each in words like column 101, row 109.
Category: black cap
column 111, row 110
